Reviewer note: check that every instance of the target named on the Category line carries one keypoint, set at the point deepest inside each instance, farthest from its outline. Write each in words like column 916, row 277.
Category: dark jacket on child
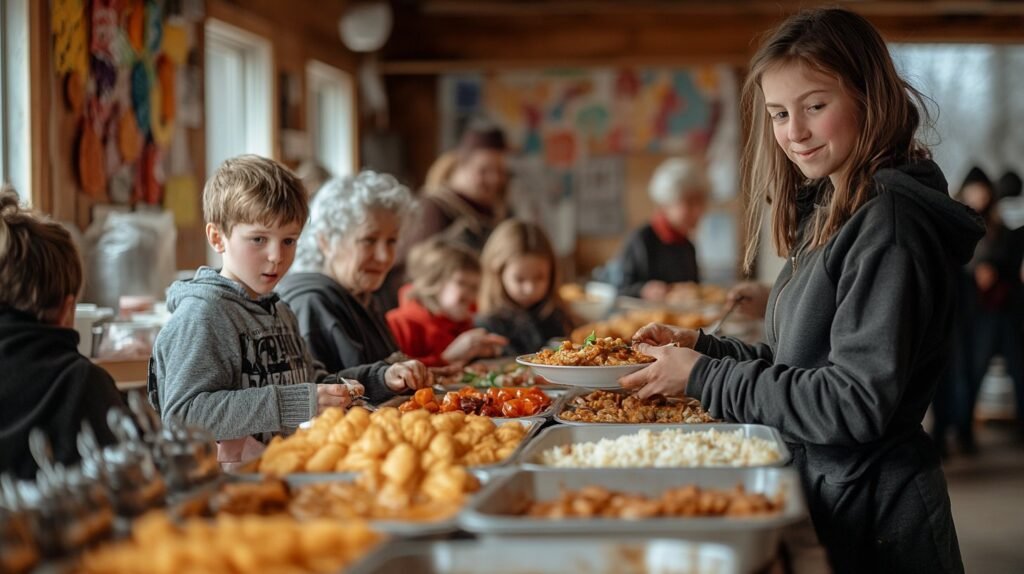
column 527, row 330
column 343, row 334
column 421, row 334
column 858, row 335
column 47, row 383
column 655, row 252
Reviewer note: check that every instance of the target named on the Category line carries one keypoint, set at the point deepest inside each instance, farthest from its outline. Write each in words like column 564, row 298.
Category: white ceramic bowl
column 589, row 377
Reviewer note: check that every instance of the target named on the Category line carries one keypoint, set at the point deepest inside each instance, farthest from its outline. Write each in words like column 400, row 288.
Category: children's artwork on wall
column 91, row 164
column 577, row 126
column 119, row 64
column 70, row 50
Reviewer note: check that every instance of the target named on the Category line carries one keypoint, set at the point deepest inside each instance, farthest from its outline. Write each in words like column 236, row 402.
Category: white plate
column 589, row 377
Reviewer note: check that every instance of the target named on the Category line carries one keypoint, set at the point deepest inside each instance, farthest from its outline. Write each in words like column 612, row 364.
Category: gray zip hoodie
column 231, row 364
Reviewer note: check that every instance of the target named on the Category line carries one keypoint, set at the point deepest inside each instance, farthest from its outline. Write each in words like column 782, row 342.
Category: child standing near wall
column 231, row 359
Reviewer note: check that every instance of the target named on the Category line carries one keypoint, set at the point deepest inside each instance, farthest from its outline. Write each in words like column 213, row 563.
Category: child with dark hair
column 46, row 382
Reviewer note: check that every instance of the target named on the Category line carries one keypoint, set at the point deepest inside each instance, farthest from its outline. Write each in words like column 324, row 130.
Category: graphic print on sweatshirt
column 272, row 357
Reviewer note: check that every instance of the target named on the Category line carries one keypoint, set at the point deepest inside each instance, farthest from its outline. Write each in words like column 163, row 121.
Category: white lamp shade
column 366, row 26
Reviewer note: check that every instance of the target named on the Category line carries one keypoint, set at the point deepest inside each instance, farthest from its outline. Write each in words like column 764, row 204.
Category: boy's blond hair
column 39, row 263
column 253, row 189
column 433, row 262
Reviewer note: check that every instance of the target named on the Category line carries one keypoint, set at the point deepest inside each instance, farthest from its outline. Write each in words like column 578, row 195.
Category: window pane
column 330, row 113
column 15, row 151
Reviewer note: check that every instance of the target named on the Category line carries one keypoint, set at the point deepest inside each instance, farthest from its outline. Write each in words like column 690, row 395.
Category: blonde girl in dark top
column 519, row 292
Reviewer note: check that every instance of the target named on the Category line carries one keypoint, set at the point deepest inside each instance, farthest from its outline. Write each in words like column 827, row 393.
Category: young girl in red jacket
column 434, row 318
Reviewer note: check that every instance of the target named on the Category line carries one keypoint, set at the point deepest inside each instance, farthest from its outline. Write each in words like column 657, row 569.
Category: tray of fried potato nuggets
column 410, row 473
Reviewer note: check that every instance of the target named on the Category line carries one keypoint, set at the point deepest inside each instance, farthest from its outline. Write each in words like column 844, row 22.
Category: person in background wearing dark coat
column 662, row 252
column 994, row 320
column 343, row 255
column 953, row 405
column 858, row 322
column 463, row 200
column 46, row 383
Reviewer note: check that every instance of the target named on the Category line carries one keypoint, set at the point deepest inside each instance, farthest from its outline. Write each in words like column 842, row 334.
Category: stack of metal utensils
column 68, row 509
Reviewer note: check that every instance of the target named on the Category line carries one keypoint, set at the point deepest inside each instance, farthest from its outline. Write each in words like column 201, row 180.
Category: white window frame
column 257, row 89
column 15, row 103
column 339, row 129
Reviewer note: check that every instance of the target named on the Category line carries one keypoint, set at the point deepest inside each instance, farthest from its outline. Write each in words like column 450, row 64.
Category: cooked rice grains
column 668, row 448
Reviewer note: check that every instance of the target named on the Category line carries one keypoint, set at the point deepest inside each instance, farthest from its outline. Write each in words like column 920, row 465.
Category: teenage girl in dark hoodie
column 858, row 322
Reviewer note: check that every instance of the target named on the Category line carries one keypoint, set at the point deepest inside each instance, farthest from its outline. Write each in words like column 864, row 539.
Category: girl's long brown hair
column 511, row 239
column 845, row 46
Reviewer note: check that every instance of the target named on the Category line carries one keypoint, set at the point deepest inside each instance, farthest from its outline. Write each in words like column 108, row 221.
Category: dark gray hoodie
column 231, row 364
column 342, row 333
column 858, row 333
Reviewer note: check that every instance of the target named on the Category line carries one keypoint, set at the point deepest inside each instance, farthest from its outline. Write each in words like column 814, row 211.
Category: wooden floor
column 987, row 493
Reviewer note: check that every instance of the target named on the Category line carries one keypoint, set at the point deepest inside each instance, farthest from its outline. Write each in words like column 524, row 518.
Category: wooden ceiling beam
column 490, row 8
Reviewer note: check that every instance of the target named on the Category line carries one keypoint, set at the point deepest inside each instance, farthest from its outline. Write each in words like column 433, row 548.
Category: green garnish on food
column 492, row 379
column 591, row 339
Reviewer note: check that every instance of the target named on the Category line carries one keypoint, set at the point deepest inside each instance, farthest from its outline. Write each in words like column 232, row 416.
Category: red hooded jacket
column 421, row 334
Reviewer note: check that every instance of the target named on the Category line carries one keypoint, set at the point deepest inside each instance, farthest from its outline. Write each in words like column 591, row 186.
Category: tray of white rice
column 666, row 446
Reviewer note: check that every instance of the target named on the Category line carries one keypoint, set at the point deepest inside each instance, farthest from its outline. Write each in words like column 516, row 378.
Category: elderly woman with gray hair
column 343, row 256
column 661, row 253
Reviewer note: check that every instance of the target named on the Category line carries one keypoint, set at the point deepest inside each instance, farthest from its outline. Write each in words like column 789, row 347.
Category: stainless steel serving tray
column 547, row 556
column 566, row 404
column 562, row 435
column 398, row 528
column 755, row 539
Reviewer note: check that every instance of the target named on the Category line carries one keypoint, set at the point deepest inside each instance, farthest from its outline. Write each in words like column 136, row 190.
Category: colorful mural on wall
column 572, row 129
column 126, row 70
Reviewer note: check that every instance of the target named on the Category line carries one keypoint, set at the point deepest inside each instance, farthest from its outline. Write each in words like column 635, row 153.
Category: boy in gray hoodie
column 231, row 359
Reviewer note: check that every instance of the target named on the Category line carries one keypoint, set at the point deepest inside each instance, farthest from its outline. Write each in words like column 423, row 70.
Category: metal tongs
column 357, row 400
column 728, row 311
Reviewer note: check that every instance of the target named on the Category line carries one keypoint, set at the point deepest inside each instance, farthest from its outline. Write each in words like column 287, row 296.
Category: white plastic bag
column 129, row 253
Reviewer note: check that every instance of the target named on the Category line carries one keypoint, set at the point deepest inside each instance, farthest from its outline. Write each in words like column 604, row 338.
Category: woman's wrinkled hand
column 668, row 375
column 408, row 375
